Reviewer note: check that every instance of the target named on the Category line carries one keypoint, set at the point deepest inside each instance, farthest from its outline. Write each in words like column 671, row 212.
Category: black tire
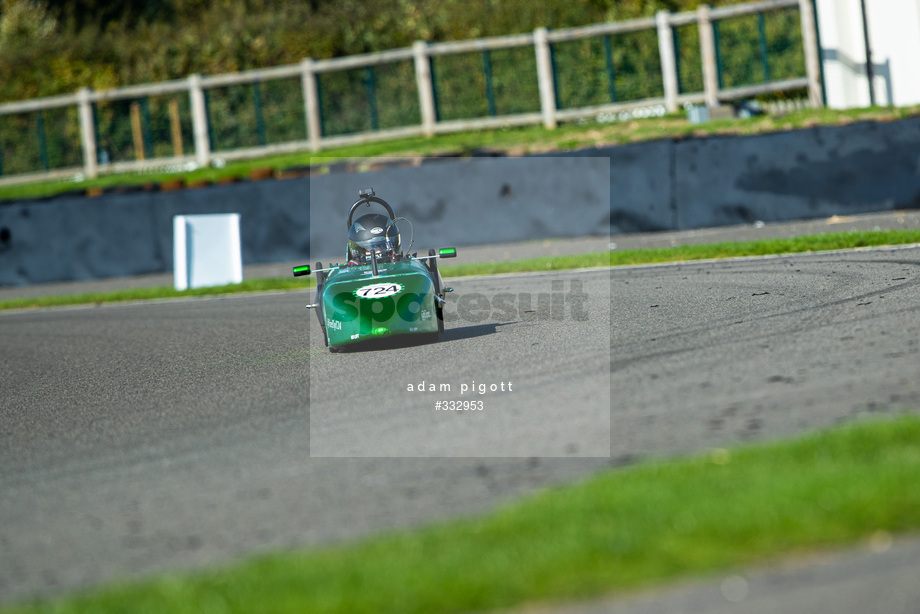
column 433, row 268
column 320, row 282
column 320, row 274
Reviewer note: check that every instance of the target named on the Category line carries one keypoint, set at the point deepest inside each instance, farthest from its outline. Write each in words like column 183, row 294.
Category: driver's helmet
column 373, row 232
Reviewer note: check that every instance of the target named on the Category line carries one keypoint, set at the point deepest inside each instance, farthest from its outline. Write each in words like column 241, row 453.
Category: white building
column 893, row 31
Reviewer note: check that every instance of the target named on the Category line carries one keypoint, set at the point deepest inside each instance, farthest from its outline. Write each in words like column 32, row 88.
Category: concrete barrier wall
column 131, row 234
column 804, row 174
column 661, row 185
column 472, row 201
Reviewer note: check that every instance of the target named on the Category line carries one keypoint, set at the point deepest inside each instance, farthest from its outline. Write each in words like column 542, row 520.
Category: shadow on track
column 470, row 332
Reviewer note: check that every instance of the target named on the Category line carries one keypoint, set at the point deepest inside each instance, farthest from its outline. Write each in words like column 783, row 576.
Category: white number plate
column 378, row 290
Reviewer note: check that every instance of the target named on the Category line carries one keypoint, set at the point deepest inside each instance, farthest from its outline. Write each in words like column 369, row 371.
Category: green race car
column 379, row 292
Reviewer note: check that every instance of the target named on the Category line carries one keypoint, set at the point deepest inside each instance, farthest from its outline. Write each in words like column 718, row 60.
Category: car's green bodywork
column 357, row 306
column 390, row 294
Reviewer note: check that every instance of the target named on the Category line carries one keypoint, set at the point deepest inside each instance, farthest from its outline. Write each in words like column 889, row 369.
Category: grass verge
column 506, row 141
column 621, row 530
column 267, row 284
column 810, row 243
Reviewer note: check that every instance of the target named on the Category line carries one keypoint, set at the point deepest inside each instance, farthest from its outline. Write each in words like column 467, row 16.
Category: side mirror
column 301, row 270
column 447, row 252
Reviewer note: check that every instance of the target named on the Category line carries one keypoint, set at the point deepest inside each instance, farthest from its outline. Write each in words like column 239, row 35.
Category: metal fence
column 705, row 56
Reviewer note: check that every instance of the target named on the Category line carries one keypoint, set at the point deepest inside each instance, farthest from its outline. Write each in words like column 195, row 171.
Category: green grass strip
column 811, row 243
column 624, row 529
column 711, row 251
column 511, row 141
column 767, row 247
column 268, row 284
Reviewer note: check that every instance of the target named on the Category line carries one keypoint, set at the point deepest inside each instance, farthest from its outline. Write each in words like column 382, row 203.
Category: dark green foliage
column 638, row 66
column 51, row 47
column 514, row 94
column 113, row 131
column 741, row 48
column 459, row 86
column 283, row 110
column 689, row 62
column 344, row 105
column 784, row 44
column 461, row 83
column 85, row 12
column 231, row 117
column 39, row 141
column 581, row 75
column 396, row 95
column 60, row 45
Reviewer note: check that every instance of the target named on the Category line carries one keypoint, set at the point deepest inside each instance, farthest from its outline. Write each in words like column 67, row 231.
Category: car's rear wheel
column 438, row 310
column 320, row 282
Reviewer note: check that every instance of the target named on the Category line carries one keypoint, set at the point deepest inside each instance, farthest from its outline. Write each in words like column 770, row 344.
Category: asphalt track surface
column 142, row 438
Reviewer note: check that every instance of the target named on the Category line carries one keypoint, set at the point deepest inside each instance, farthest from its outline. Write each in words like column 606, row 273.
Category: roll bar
column 367, row 197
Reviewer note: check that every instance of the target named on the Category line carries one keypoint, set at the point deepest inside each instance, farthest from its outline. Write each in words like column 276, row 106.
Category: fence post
column 175, row 127
column 425, row 86
column 311, row 103
column 87, row 133
column 199, row 121
column 668, row 60
column 708, row 56
column 812, row 53
column 545, row 77
column 137, row 133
